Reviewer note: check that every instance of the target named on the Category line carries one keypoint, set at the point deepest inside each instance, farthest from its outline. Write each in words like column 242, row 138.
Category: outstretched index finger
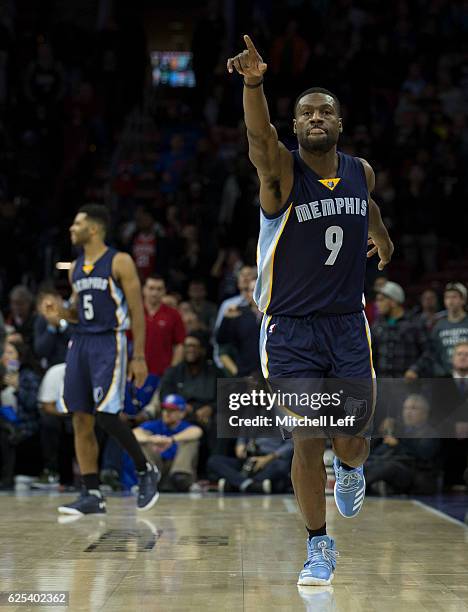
column 249, row 44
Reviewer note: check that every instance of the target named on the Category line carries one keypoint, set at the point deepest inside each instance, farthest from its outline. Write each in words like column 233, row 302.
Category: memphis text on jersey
column 94, row 282
column 330, row 206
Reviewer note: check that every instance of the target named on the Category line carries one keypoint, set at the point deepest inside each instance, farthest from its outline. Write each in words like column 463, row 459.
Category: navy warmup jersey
column 102, row 306
column 311, row 255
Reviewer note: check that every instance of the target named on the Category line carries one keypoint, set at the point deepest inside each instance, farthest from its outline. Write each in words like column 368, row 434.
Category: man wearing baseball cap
column 446, row 334
column 398, row 341
column 172, row 442
column 393, row 291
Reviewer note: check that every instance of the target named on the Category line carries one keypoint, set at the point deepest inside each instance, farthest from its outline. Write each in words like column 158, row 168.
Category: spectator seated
column 171, row 442
column 261, row 465
column 407, row 459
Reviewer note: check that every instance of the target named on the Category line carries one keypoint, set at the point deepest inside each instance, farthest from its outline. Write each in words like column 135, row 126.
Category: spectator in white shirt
column 245, row 276
column 56, row 432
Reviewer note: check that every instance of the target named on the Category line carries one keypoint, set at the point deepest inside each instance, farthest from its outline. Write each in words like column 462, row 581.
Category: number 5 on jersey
column 88, row 309
column 333, row 242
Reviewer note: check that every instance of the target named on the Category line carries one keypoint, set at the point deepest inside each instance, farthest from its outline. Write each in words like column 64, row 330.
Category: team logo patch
column 98, row 394
column 330, row 183
column 87, row 268
column 355, row 407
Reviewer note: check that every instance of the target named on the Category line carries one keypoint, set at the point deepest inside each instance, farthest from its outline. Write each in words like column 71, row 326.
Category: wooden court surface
column 212, row 553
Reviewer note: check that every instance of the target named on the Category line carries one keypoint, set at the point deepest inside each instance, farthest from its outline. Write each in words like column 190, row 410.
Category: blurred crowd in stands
column 420, row 432
column 80, row 121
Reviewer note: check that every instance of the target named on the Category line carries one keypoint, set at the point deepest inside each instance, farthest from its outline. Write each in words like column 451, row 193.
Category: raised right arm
column 270, row 157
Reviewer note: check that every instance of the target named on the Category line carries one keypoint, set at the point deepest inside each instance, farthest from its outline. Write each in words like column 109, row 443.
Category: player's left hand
column 137, row 371
column 384, row 248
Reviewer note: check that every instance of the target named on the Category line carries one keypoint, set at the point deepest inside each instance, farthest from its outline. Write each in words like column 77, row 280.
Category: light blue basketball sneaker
column 321, row 562
column 350, row 488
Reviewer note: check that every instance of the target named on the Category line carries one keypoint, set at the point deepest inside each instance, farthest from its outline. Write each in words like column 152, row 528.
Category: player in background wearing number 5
column 317, row 219
column 106, row 299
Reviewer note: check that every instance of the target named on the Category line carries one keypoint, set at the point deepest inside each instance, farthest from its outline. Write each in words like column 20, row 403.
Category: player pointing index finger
column 316, row 217
column 249, row 62
column 250, row 46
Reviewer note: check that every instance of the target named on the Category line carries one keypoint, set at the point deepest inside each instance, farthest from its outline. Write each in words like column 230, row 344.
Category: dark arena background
column 129, row 105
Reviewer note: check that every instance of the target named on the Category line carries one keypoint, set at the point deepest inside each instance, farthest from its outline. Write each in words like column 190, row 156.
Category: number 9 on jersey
column 333, row 242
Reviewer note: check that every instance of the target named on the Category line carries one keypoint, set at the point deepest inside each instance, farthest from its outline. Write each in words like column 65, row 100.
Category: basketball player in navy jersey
column 317, row 219
column 106, row 298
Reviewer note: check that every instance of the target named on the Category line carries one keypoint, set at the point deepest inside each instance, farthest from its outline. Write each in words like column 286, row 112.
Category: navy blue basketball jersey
column 102, row 306
column 311, row 255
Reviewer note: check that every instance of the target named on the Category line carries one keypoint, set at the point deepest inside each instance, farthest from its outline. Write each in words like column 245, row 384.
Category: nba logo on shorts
column 98, row 394
column 271, row 329
column 355, row 407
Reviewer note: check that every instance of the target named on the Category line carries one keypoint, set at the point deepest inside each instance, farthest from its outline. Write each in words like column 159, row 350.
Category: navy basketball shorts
column 322, row 367
column 95, row 373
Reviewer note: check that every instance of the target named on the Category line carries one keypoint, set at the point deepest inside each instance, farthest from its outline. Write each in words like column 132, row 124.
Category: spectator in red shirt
column 165, row 331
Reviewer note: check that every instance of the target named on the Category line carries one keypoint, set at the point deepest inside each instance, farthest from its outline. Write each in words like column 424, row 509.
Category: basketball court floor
column 212, row 553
